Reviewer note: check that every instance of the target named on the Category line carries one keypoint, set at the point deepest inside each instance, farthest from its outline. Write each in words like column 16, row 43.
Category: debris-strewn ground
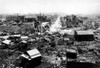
column 53, row 46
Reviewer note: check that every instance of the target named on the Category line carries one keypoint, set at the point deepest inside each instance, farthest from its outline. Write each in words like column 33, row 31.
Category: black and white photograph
column 49, row 33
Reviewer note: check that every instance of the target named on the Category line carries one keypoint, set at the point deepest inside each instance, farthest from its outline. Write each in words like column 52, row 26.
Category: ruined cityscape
column 49, row 41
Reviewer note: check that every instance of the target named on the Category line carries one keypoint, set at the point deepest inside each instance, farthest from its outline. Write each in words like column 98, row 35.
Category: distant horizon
column 52, row 13
column 76, row 7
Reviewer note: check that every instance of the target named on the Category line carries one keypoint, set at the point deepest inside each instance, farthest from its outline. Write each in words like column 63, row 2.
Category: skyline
column 85, row 7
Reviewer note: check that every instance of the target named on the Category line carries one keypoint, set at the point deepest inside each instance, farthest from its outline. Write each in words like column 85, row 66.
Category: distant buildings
column 29, row 19
column 16, row 18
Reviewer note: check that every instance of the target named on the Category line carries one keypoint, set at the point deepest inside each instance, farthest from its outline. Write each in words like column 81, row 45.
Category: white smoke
column 56, row 25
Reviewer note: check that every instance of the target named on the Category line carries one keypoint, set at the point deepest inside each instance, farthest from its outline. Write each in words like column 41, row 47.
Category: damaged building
column 30, row 19
column 31, row 58
column 84, row 35
column 73, row 62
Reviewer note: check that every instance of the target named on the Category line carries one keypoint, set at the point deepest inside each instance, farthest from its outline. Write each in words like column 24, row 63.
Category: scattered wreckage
column 74, row 61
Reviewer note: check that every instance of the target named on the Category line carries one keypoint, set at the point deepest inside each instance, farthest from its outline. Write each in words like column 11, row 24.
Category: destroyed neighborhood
column 49, row 41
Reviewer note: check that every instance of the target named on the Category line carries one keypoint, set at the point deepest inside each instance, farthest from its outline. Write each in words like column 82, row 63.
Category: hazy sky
column 47, row 6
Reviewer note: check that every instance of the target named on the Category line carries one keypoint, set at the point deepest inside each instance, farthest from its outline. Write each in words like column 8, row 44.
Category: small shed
column 71, row 54
column 31, row 58
column 87, row 35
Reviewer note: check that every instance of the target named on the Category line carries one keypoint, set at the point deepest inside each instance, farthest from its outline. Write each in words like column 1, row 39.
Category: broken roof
column 17, row 35
column 85, row 32
column 24, row 37
column 71, row 50
column 7, row 41
column 32, row 54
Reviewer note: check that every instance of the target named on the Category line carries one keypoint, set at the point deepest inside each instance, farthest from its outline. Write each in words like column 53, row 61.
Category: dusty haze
column 49, row 6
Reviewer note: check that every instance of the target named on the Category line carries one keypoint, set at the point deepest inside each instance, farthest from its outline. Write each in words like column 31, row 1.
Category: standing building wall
column 84, row 36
